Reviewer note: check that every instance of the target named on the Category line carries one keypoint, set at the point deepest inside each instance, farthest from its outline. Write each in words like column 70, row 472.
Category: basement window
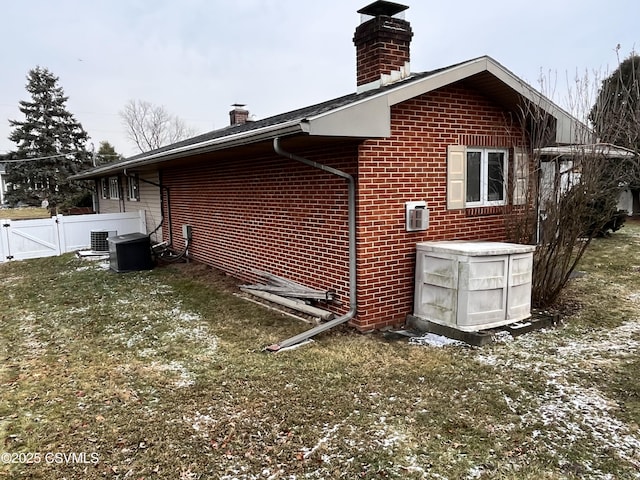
column 485, row 177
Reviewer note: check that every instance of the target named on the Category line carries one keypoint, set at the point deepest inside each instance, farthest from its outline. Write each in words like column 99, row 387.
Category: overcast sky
column 197, row 57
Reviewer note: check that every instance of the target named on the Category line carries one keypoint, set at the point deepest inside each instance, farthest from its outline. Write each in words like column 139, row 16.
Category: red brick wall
column 289, row 219
column 270, row 213
column 411, row 165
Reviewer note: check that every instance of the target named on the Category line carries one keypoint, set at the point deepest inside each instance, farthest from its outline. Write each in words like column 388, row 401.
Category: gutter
column 206, row 146
column 352, row 251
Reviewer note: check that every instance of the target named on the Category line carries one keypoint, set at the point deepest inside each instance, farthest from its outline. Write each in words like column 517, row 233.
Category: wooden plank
column 287, row 302
column 281, row 281
column 288, row 292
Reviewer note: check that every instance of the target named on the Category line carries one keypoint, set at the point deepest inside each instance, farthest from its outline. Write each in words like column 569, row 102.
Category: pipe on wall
column 352, row 249
column 166, row 189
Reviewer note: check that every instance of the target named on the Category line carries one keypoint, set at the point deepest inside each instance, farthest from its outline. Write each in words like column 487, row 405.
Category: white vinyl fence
column 47, row 237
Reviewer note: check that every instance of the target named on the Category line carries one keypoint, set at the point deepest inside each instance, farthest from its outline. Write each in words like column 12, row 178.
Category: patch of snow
column 579, row 412
column 502, row 337
column 475, row 472
column 307, row 452
column 572, row 412
column 201, row 423
column 29, row 330
column 10, row 280
column 433, row 340
column 185, row 376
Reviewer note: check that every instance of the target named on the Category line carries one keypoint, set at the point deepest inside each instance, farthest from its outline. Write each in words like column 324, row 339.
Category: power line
column 13, row 160
column 18, row 160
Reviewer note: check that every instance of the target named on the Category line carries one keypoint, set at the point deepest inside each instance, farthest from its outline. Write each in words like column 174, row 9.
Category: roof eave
column 358, row 119
column 216, row 144
column 605, row 150
column 369, row 117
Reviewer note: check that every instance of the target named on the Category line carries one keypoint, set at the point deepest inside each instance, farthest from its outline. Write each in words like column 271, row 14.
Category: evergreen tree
column 616, row 113
column 50, row 144
column 106, row 154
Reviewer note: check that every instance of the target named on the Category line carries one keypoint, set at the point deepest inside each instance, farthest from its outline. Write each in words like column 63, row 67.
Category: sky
column 198, row 57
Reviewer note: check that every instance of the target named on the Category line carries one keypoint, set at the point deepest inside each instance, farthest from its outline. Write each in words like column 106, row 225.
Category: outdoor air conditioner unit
column 130, row 252
column 99, row 240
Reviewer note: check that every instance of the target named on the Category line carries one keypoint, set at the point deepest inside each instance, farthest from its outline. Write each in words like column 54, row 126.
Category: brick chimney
column 239, row 115
column 382, row 45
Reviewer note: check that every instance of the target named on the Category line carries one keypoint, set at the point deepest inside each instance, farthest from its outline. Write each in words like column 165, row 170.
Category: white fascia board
column 368, row 118
column 437, row 80
column 221, row 143
column 371, row 116
column 595, row 150
column 568, row 128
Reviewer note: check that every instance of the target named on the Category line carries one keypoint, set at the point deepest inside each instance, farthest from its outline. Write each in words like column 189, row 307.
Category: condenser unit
column 99, row 240
column 130, row 252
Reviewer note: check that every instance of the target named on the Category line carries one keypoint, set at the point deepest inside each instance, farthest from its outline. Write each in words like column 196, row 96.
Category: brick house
column 318, row 195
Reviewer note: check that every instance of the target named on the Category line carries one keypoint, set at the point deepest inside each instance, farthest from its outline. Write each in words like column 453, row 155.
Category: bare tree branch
column 573, row 192
column 150, row 126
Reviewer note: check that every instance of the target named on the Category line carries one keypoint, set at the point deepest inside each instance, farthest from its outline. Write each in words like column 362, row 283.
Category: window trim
column 114, row 188
column 104, row 188
column 484, row 181
column 133, row 188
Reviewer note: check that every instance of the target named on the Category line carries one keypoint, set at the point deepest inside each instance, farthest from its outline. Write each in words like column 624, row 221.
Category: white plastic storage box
column 473, row 286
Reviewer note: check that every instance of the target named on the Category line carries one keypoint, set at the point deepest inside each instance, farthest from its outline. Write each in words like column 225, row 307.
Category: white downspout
column 352, row 251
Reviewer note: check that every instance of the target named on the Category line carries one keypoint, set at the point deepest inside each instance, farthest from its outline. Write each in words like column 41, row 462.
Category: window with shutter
column 476, row 176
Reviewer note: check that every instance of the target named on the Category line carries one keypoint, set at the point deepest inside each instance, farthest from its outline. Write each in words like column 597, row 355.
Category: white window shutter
column 456, row 176
column 520, row 176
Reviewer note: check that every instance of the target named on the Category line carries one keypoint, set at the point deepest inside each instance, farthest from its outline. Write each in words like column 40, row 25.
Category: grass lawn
column 24, row 213
column 160, row 375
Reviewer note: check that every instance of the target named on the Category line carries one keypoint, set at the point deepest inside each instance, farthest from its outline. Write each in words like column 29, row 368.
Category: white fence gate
column 47, row 237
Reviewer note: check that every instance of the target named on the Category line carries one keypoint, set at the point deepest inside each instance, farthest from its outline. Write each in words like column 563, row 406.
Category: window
column 104, row 187
column 133, row 190
column 114, row 188
column 485, row 177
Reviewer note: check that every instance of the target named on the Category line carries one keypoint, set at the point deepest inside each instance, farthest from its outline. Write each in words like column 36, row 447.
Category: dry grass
column 23, row 213
column 161, row 375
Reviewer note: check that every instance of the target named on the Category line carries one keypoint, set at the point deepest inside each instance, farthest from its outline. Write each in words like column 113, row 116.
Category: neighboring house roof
column 358, row 115
column 606, row 150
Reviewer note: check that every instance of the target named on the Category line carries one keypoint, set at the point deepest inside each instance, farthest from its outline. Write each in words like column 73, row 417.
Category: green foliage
column 616, row 113
column 106, row 154
column 52, row 144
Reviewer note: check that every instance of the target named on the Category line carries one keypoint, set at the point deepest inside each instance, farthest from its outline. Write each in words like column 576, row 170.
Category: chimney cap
column 382, row 8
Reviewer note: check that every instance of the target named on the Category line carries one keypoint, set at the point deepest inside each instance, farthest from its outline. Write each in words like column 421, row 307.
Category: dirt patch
column 206, row 274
